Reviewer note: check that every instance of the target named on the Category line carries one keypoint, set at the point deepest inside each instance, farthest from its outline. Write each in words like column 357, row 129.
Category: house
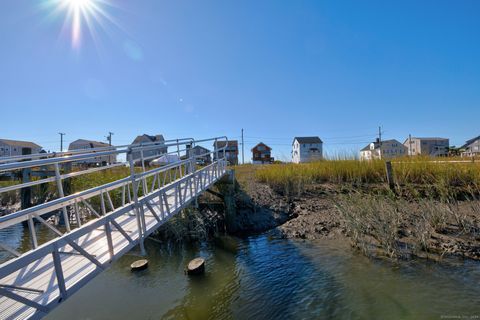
column 231, row 151
column 306, row 149
column 434, row 147
column 200, row 153
column 149, row 154
column 383, row 150
column 83, row 144
column 261, row 154
column 10, row 148
column 471, row 148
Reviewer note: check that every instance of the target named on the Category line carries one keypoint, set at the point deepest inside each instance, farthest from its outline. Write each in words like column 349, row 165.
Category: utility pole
column 380, row 141
column 410, row 145
column 243, row 150
column 61, row 141
column 109, row 138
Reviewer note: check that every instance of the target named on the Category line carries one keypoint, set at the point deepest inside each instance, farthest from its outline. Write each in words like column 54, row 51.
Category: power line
column 324, row 138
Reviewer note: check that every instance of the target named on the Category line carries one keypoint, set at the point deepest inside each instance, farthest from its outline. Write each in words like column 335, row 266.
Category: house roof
column 425, row 138
column 92, row 143
column 308, row 140
column 20, row 143
column 366, row 148
column 146, row 137
column 469, row 142
column 377, row 144
column 200, row 147
column 261, row 144
column 221, row 144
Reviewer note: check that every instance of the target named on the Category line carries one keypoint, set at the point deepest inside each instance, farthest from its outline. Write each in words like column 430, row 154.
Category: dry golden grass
column 442, row 177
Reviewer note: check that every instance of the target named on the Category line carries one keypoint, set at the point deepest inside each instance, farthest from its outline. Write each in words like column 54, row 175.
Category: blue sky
column 336, row 69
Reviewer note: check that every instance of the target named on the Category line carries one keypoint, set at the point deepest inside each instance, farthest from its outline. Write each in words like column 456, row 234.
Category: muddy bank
column 374, row 223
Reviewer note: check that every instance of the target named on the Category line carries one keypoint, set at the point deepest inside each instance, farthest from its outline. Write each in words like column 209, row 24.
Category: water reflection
column 264, row 278
column 12, row 237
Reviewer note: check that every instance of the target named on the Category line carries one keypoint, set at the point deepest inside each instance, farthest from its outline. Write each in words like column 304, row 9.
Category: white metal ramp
column 35, row 282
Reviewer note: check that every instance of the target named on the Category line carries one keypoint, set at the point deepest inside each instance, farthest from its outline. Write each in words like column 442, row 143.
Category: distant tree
column 454, row 151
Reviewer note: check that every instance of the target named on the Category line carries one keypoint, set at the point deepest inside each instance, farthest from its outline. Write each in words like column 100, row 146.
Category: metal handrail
column 90, row 154
column 40, row 209
column 82, row 151
column 87, row 155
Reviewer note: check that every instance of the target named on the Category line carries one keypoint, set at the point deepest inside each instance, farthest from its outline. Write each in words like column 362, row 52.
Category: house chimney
column 377, row 140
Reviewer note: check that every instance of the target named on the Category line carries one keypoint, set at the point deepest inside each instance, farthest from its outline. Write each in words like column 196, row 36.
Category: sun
column 79, row 3
column 82, row 15
column 78, row 10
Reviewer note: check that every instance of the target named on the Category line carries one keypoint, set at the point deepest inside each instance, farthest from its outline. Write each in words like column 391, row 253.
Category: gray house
column 83, row 144
column 231, row 151
column 145, row 138
column 434, row 147
column 471, row 147
column 200, row 153
column 10, row 148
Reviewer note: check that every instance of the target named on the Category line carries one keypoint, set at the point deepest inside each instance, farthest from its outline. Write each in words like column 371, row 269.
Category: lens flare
column 81, row 15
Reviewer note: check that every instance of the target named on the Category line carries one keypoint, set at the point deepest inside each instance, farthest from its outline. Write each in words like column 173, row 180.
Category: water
column 267, row 278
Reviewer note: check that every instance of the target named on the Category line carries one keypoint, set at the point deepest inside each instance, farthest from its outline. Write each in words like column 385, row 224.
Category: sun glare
column 82, row 15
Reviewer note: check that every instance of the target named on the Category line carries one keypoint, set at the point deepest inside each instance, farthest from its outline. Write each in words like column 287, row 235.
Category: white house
column 145, row 138
column 82, row 144
column 471, row 147
column 306, row 149
column 10, row 148
column 383, row 150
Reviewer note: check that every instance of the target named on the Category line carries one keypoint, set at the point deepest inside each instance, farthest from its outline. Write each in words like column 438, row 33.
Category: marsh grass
column 415, row 177
column 433, row 201
column 368, row 218
column 397, row 227
column 10, row 197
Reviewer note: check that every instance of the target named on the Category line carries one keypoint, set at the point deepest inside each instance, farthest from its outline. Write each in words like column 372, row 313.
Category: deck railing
column 140, row 182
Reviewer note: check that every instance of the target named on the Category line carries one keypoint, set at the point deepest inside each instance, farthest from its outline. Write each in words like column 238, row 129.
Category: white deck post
column 58, row 179
column 137, row 206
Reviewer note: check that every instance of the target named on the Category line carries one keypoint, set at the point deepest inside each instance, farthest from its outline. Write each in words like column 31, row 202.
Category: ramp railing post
column 33, row 233
column 58, row 179
column 216, row 157
column 136, row 203
column 142, row 158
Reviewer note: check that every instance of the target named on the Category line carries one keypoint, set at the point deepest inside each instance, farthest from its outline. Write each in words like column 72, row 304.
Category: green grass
column 411, row 175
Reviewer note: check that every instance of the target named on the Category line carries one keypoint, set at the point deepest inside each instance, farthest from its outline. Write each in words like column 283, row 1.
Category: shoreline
column 374, row 224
